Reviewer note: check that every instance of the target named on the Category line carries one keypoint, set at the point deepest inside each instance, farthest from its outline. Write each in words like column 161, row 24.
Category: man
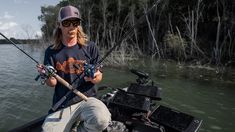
column 70, row 51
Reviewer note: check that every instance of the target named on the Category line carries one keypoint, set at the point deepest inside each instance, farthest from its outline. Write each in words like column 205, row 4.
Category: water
column 211, row 101
column 23, row 99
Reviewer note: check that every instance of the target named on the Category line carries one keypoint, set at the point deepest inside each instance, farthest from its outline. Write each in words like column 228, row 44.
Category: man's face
column 69, row 28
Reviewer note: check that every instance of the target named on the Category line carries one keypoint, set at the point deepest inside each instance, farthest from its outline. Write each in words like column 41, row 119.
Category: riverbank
column 124, row 59
column 170, row 68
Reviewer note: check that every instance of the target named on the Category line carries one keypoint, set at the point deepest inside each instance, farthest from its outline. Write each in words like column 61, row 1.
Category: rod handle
column 65, row 83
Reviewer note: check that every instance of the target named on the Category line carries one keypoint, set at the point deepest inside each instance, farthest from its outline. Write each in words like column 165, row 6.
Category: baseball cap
column 68, row 12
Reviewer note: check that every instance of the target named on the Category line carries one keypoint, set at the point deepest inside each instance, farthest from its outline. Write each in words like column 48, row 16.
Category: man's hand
column 50, row 81
column 97, row 77
column 41, row 69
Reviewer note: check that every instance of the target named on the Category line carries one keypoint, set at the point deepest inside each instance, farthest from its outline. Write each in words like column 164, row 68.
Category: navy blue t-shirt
column 64, row 61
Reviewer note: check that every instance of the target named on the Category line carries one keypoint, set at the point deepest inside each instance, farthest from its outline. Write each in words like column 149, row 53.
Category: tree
column 204, row 28
column 48, row 17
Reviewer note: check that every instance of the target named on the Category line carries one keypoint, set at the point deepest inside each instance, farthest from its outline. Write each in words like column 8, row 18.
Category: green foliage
column 174, row 41
column 175, row 44
column 193, row 26
column 48, row 17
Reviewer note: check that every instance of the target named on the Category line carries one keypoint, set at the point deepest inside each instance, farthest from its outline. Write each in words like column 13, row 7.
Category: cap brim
column 69, row 18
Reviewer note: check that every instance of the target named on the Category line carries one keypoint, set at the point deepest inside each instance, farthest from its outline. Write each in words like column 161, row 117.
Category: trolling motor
column 143, row 78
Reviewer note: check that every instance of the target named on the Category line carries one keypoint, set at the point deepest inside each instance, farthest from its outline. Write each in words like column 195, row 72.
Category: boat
column 135, row 108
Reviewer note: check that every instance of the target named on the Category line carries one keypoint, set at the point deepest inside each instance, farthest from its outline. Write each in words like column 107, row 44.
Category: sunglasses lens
column 67, row 23
column 76, row 23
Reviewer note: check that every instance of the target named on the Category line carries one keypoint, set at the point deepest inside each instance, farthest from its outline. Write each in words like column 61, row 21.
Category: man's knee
column 99, row 120
column 103, row 121
column 96, row 115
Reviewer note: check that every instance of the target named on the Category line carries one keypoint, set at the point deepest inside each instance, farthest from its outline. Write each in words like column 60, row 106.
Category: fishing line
column 50, row 71
column 13, row 43
column 127, row 34
column 119, row 42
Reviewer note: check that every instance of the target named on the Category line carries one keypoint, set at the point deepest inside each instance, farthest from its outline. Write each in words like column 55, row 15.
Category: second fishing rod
column 90, row 69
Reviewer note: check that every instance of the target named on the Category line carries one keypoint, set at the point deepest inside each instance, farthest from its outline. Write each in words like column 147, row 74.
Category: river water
column 185, row 89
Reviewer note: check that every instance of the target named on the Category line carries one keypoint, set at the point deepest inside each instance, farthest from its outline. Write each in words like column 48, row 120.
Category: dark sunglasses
column 67, row 23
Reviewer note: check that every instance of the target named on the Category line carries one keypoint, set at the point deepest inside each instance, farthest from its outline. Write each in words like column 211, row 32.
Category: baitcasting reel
column 89, row 70
column 46, row 71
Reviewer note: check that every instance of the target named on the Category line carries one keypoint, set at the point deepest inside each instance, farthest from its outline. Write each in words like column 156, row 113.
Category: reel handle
column 37, row 77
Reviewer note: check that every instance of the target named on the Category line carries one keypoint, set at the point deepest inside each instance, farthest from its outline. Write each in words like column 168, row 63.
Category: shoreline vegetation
column 197, row 34
column 165, row 67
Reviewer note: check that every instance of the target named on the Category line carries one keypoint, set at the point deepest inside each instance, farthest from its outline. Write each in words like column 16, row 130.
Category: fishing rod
column 127, row 34
column 50, row 71
column 89, row 69
column 19, row 48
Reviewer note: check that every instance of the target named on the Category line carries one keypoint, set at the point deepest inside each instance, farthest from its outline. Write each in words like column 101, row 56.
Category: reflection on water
column 191, row 90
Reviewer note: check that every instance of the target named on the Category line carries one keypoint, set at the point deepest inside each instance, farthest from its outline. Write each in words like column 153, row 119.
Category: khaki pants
column 92, row 114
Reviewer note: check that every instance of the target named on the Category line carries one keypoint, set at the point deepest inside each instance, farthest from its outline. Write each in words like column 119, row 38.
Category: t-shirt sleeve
column 48, row 57
column 95, row 56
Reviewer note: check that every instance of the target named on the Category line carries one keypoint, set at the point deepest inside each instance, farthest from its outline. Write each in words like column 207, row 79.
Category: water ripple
column 215, row 127
column 198, row 111
column 212, row 118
